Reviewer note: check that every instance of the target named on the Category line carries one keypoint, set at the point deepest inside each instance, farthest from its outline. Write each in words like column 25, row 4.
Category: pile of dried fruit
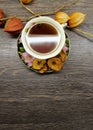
column 56, row 63
column 50, row 65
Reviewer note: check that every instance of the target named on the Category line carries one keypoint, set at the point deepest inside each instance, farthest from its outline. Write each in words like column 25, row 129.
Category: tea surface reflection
column 43, row 38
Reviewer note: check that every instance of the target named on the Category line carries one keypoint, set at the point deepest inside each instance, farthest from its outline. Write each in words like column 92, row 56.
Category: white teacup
column 43, row 37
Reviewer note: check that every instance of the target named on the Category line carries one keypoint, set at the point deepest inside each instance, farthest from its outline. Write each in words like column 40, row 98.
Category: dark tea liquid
column 43, row 38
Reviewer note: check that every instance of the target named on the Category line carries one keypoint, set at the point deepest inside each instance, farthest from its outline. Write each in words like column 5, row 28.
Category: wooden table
column 57, row 101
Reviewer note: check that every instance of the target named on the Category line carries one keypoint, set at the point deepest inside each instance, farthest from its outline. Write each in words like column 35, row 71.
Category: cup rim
column 55, row 24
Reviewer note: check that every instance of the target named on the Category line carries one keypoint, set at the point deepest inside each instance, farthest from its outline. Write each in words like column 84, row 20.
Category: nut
column 76, row 19
column 61, row 17
column 13, row 26
column 2, row 15
column 26, row 1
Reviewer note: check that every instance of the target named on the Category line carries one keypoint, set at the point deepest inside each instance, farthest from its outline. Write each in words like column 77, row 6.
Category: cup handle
column 64, row 25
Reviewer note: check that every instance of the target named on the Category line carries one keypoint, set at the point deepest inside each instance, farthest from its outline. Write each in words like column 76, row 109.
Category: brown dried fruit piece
column 63, row 56
column 13, row 26
column 44, row 69
column 38, row 64
column 55, row 64
column 2, row 15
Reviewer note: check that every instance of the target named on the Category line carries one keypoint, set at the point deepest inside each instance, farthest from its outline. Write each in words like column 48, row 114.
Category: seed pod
column 13, row 26
column 26, row 1
column 2, row 15
column 61, row 17
column 76, row 19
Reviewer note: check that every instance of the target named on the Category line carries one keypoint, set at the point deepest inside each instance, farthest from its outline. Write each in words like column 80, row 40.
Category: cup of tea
column 43, row 37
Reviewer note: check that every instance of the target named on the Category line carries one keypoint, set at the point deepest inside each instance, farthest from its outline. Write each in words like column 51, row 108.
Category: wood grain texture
column 61, row 101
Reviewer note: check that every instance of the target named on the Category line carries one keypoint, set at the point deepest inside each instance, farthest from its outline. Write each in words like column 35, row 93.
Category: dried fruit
column 63, row 56
column 26, row 1
column 61, row 17
column 76, row 19
column 55, row 64
column 38, row 64
column 43, row 70
column 2, row 15
column 13, row 26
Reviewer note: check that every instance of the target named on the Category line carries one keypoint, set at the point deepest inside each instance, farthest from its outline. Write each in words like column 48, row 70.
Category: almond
column 13, row 26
